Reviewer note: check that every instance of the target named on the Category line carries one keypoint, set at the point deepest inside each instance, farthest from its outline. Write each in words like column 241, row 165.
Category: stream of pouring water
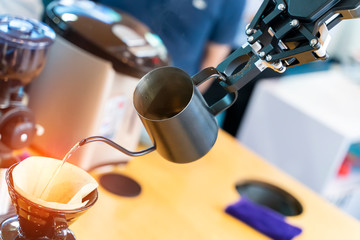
column 57, row 170
column 89, row 140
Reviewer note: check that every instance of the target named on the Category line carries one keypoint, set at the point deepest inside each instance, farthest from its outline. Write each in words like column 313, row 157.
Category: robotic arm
column 284, row 34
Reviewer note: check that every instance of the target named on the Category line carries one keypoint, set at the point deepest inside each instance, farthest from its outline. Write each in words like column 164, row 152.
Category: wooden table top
column 187, row 201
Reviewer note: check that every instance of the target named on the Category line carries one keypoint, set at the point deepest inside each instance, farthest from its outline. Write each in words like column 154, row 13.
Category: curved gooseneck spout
column 116, row 146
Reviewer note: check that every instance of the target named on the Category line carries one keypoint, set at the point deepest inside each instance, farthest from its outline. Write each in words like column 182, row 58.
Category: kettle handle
column 226, row 101
column 116, row 146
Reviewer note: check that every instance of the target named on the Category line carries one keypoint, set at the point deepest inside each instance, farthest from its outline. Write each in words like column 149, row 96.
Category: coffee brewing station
column 24, row 44
column 88, row 81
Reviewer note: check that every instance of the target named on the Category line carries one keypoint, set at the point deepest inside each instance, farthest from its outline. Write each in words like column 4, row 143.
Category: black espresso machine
column 86, row 87
column 23, row 48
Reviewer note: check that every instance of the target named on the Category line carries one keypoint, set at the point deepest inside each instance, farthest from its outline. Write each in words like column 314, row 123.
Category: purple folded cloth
column 263, row 219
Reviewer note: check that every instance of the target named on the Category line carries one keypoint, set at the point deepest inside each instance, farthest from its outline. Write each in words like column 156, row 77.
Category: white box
column 304, row 124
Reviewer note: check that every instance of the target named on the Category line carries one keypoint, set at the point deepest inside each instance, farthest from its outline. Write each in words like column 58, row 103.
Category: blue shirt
column 185, row 26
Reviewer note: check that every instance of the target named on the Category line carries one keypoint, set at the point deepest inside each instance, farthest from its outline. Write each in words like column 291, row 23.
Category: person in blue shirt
column 196, row 33
column 199, row 34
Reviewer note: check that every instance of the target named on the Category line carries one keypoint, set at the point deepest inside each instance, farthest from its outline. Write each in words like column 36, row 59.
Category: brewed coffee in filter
column 65, row 191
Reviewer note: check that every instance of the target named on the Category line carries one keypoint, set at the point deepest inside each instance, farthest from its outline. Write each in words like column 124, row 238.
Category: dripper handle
column 116, row 146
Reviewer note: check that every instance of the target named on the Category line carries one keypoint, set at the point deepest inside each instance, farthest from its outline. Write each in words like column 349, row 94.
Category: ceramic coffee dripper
column 179, row 121
column 34, row 221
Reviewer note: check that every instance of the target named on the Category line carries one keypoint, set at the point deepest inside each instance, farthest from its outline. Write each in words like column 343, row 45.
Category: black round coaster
column 120, row 185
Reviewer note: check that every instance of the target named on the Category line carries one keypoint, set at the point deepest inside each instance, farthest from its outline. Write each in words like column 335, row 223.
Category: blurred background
column 305, row 121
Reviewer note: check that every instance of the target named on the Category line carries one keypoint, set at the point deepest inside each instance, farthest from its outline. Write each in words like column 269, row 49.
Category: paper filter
column 65, row 192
